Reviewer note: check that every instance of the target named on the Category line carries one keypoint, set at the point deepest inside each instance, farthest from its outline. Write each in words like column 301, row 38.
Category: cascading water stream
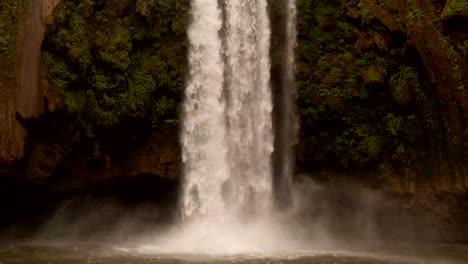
column 227, row 134
column 227, row 138
column 283, row 13
column 249, row 105
column 203, row 136
column 290, row 124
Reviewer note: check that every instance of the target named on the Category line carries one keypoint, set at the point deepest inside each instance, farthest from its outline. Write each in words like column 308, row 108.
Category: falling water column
column 290, row 123
column 203, row 136
column 227, row 135
column 283, row 13
column 249, row 103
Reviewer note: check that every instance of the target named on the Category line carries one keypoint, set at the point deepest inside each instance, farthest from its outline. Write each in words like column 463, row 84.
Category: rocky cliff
column 22, row 90
column 382, row 99
column 11, row 139
column 383, row 104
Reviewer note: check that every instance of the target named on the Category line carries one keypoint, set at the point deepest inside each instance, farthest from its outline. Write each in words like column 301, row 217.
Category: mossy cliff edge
column 381, row 94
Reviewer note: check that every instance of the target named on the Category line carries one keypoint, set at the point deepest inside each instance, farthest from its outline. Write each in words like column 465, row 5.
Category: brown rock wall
column 161, row 157
column 11, row 133
column 24, row 95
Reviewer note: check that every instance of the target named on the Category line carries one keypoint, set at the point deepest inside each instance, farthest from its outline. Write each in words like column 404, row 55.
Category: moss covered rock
column 117, row 63
column 455, row 8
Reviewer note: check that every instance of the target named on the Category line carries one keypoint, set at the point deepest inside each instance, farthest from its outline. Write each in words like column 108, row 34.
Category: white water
column 249, row 105
column 227, row 135
column 204, row 131
column 290, row 124
column 227, row 138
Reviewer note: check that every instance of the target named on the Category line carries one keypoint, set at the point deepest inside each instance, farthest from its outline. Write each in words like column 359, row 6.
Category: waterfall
column 249, row 103
column 204, row 145
column 227, row 137
column 283, row 83
column 289, row 124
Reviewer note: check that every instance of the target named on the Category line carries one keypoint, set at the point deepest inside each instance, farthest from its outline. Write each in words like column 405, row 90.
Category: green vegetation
column 363, row 97
column 404, row 83
column 119, row 66
column 9, row 10
column 456, row 7
column 414, row 14
column 361, row 100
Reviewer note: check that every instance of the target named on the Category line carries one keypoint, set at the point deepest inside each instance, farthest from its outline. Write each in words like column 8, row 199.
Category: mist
column 320, row 214
column 337, row 217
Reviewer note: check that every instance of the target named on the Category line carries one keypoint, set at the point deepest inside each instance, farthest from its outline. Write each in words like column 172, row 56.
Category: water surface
column 395, row 253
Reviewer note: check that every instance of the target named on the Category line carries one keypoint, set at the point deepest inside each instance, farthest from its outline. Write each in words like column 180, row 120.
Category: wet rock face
column 30, row 95
column 50, row 190
column 51, row 164
column 42, row 161
column 157, row 157
column 11, row 134
column 24, row 94
column 31, row 33
column 120, row 205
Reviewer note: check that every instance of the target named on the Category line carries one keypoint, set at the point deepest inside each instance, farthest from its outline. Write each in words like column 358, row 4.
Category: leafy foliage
column 456, row 7
column 117, row 62
column 9, row 11
column 363, row 99
column 358, row 90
